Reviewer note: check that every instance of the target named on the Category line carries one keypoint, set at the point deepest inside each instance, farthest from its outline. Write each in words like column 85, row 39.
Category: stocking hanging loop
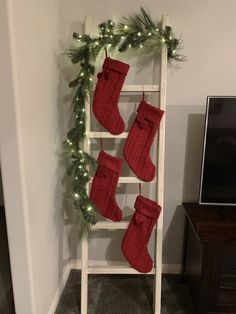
column 140, row 188
column 106, row 51
column 143, row 95
column 101, row 143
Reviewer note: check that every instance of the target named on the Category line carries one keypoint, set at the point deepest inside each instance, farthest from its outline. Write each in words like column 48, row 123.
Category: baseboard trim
column 60, row 289
column 76, row 264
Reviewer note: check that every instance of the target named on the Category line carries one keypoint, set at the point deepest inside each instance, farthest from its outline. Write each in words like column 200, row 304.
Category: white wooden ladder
column 86, row 268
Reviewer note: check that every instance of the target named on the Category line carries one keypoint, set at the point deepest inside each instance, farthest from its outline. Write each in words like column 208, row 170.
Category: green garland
column 136, row 31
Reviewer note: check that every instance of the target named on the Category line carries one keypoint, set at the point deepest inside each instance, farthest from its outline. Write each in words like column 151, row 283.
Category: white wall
column 207, row 28
column 30, row 138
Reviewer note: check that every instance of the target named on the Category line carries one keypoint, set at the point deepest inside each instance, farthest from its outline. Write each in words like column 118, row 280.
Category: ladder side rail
column 84, row 244
column 160, row 171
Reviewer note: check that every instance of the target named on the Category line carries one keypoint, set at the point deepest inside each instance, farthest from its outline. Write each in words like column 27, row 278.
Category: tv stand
column 209, row 263
column 222, row 212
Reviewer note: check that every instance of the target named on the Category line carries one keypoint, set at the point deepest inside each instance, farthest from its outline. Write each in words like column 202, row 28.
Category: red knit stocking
column 139, row 141
column 107, row 92
column 104, row 184
column 136, row 238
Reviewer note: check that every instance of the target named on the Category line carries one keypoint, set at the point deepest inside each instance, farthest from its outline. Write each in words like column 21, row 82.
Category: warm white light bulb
column 82, row 74
column 149, row 34
column 85, row 174
column 90, row 79
column 76, row 195
column 89, row 208
column 139, row 34
column 125, row 27
column 81, row 122
column 80, row 167
column 83, row 110
column 80, row 151
column 130, row 45
column 141, row 46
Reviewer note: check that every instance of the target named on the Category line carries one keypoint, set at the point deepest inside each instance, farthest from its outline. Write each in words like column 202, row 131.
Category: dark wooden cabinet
column 210, row 257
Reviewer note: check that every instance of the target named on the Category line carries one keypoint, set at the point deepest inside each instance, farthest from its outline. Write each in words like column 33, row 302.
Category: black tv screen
column 218, row 174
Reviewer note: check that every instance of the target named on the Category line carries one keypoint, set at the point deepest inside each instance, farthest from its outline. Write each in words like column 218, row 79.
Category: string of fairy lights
column 137, row 31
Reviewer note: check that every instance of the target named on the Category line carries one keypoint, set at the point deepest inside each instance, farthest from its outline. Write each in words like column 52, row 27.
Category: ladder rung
column 107, row 135
column 133, row 180
column 129, row 180
column 140, row 88
column 110, row 269
column 108, row 225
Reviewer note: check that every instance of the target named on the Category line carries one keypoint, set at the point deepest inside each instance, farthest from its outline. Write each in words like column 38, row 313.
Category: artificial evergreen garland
column 136, row 31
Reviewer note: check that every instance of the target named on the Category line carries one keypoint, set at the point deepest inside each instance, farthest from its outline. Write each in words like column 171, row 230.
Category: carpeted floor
column 124, row 294
column 6, row 294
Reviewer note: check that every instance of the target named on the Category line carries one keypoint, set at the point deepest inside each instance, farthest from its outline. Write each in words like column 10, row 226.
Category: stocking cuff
column 149, row 112
column 147, row 207
column 110, row 162
column 116, row 65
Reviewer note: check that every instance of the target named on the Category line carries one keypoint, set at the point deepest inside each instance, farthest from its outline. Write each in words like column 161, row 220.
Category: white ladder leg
column 84, row 249
column 160, row 173
column 84, row 276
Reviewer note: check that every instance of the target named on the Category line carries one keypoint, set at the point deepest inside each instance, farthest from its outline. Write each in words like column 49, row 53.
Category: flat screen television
column 218, row 173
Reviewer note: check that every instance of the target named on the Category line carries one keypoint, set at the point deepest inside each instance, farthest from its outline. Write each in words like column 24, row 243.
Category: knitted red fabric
column 104, row 184
column 138, row 144
column 135, row 241
column 105, row 101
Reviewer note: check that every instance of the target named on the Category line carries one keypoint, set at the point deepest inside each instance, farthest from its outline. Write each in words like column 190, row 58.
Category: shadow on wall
column 171, row 235
column 189, row 190
column 63, row 216
column 1, row 190
column 193, row 157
